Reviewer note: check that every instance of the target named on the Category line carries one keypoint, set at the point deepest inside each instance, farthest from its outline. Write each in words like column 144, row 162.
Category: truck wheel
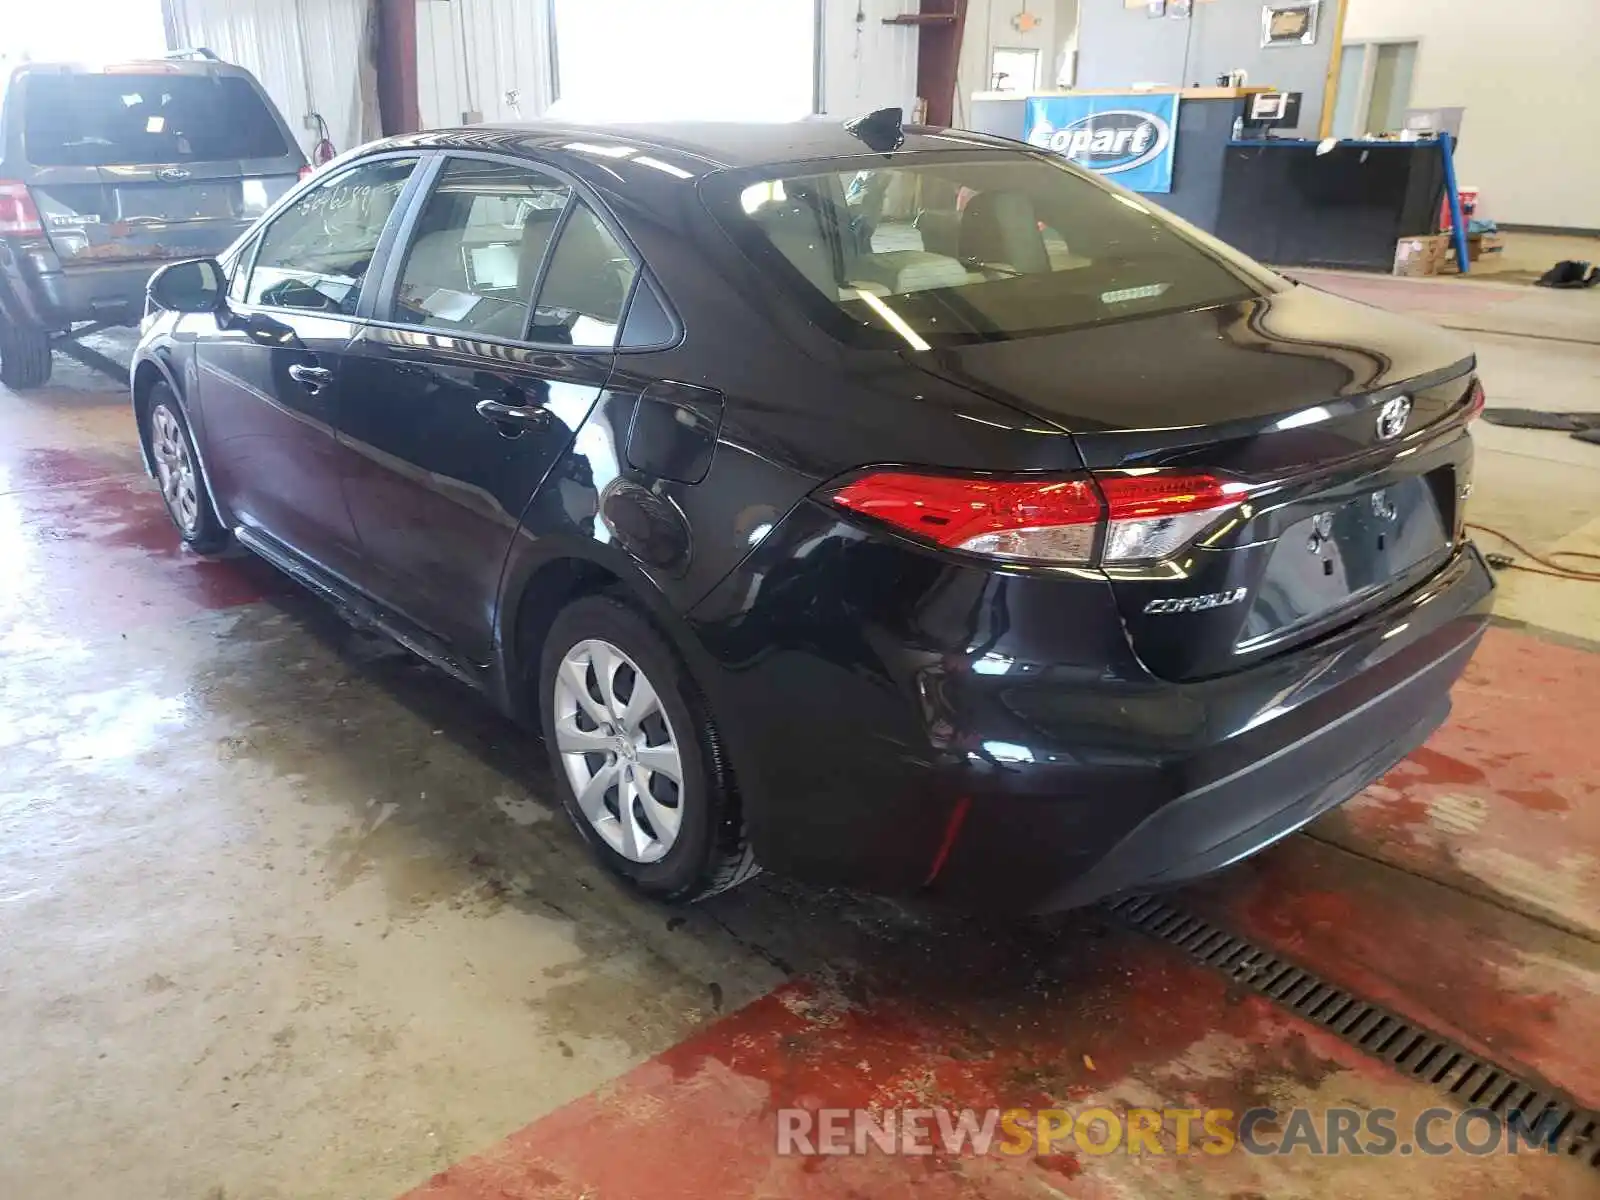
column 24, row 355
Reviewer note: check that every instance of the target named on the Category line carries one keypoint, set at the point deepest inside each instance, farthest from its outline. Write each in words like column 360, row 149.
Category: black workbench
column 1285, row 204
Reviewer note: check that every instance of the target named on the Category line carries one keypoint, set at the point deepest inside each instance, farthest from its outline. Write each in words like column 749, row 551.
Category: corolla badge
column 1180, row 604
column 1392, row 417
column 1107, row 142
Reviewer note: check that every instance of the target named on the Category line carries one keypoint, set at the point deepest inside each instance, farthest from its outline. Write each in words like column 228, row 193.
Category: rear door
column 140, row 166
column 491, row 346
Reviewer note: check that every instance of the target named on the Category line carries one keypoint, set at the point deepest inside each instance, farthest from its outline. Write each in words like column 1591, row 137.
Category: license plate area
column 177, row 201
column 1347, row 553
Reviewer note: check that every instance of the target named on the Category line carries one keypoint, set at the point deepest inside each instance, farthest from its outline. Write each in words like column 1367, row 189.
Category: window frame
column 388, row 295
column 381, row 314
column 246, row 258
column 1368, row 48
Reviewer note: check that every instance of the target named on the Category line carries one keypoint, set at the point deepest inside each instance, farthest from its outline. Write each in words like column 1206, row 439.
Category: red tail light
column 1153, row 514
column 1131, row 517
column 1476, row 400
column 1053, row 520
column 17, row 211
column 304, row 171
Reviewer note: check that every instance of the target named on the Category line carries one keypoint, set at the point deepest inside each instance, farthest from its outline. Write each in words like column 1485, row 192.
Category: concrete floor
column 284, row 913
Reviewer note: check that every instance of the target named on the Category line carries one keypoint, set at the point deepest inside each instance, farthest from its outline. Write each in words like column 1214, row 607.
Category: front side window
column 315, row 253
column 475, row 256
column 941, row 250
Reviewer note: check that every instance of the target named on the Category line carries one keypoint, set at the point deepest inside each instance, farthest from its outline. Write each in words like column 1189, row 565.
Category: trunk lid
column 1286, row 393
column 154, row 212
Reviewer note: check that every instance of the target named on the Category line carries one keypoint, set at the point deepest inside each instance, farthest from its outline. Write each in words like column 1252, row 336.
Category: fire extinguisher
column 324, row 151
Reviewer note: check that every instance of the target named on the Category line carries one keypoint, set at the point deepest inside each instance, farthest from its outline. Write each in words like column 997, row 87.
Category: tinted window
column 586, row 287
column 478, row 246
column 968, row 249
column 316, row 253
column 125, row 120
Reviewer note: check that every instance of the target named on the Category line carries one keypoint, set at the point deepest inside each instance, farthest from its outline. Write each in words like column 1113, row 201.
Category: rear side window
column 586, row 287
column 475, row 255
column 133, row 120
column 932, row 251
column 315, row 254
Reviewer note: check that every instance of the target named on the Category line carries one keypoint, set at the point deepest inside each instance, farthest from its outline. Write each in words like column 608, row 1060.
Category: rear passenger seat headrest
column 792, row 226
column 1001, row 227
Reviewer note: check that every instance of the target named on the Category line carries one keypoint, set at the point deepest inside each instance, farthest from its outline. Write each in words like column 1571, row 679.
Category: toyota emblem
column 1392, row 418
column 173, row 173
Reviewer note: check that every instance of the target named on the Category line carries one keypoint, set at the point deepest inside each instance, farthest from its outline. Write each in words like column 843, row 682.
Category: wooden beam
column 939, row 28
column 397, row 66
column 1330, row 86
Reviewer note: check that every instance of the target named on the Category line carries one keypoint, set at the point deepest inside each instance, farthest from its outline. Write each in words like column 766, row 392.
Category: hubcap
column 174, row 468
column 619, row 750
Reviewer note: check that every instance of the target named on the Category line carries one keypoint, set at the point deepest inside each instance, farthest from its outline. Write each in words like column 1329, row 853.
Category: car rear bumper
column 901, row 723
column 1199, row 832
column 55, row 298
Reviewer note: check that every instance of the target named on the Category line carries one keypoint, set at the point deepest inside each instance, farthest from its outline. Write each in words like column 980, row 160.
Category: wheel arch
column 534, row 591
column 147, row 373
column 149, row 370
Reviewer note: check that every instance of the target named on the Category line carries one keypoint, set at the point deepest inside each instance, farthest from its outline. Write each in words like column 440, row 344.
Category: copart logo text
column 1107, row 142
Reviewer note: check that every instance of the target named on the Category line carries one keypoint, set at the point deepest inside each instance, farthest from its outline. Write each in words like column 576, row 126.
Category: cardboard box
column 1421, row 255
column 1479, row 244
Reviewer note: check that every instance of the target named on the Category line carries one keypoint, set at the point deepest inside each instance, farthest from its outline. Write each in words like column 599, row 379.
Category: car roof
column 696, row 147
column 135, row 66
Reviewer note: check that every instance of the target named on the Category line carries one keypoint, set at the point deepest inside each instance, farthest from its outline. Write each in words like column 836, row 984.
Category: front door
column 271, row 377
column 464, row 391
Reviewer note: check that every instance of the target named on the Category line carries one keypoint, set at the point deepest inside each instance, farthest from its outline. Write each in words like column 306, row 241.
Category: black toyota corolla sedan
column 906, row 510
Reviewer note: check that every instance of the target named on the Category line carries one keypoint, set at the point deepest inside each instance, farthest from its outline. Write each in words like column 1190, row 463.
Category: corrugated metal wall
column 310, row 55
column 493, row 57
column 490, row 56
column 487, row 56
column 865, row 63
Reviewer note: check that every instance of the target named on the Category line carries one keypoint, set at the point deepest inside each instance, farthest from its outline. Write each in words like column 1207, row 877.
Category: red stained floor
column 1505, row 799
column 1503, row 985
column 1125, row 1024
column 88, row 547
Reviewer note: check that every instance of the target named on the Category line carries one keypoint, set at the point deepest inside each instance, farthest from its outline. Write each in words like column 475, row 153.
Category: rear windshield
column 972, row 249
column 129, row 120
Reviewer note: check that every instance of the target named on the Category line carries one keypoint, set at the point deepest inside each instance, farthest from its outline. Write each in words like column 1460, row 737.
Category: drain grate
column 1462, row 1076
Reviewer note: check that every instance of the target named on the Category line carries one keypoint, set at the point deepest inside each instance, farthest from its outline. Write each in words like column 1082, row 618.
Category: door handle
column 313, row 379
column 512, row 419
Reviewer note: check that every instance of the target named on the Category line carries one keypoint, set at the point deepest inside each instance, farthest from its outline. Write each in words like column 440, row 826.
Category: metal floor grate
column 1462, row 1076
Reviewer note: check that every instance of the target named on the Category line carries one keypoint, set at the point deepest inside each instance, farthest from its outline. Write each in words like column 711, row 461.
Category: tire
column 708, row 851
column 183, row 488
column 25, row 357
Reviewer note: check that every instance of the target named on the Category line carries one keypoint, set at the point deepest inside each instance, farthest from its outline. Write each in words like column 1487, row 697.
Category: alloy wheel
column 619, row 750
column 175, row 469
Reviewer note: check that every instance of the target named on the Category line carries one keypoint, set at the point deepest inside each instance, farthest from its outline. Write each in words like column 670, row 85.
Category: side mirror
column 195, row 286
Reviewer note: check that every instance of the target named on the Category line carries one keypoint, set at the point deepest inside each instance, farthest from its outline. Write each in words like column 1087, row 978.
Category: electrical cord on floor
column 1546, row 566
